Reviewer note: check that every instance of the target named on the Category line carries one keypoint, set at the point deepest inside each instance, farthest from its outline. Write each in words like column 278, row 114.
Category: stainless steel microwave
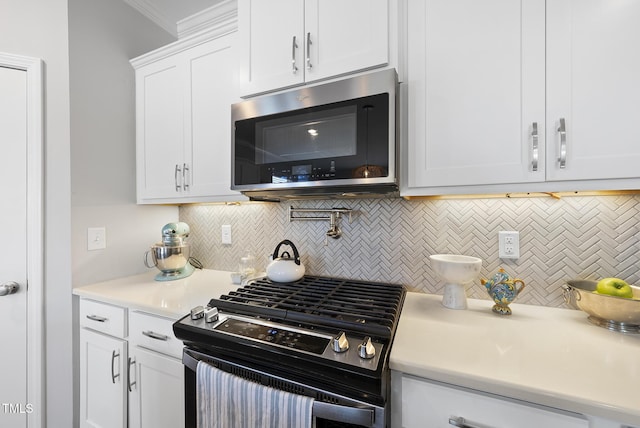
column 331, row 140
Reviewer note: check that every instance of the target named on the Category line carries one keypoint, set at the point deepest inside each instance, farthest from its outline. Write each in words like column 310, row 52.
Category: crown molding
column 223, row 17
column 221, row 25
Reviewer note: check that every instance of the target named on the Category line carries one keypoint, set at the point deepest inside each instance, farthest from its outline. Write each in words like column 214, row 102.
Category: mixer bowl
column 170, row 259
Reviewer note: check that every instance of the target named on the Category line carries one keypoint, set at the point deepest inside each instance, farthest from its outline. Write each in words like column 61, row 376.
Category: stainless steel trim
column 10, row 287
column 383, row 81
column 113, row 373
column 155, row 335
column 562, row 130
column 97, row 318
column 351, row 358
column 534, row 146
column 294, row 45
column 308, row 53
column 347, row 410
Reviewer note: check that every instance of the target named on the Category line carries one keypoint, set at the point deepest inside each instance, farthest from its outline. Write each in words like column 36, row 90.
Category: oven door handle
column 361, row 416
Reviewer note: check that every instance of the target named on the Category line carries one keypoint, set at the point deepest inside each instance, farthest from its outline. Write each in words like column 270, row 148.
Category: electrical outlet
column 226, row 234
column 508, row 245
column 96, row 238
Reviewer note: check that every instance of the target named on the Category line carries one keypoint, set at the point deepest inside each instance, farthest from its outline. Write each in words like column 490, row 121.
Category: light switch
column 226, row 234
column 96, row 238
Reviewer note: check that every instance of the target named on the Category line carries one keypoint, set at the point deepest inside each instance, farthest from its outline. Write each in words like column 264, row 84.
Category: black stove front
column 330, row 337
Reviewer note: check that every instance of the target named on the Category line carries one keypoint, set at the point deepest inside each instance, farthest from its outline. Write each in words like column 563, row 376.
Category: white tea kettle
column 285, row 268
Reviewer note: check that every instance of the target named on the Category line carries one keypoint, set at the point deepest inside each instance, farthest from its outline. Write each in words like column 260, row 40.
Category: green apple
column 614, row 287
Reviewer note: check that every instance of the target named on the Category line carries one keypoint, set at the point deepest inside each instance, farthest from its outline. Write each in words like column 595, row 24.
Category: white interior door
column 15, row 407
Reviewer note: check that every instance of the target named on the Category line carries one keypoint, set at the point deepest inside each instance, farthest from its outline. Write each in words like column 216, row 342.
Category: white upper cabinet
column 499, row 91
column 475, row 92
column 593, row 64
column 290, row 42
column 184, row 94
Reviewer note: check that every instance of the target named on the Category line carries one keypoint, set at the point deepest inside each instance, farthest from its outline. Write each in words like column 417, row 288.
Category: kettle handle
column 296, row 255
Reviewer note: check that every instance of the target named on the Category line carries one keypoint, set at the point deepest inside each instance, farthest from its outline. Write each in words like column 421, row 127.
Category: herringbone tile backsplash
column 390, row 239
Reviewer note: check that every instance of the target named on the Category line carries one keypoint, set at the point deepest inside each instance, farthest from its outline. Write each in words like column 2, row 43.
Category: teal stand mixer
column 172, row 255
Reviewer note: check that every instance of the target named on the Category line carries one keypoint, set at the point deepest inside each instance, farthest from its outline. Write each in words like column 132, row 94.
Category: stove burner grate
column 368, row 307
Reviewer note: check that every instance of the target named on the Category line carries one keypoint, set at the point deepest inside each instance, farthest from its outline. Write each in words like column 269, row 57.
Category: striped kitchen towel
column 227, row 401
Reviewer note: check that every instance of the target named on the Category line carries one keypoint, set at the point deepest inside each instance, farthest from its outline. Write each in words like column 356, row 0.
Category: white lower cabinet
column 430, row 404
column 156, row 373
column 103, row 377
column 156, row 395
column 137, row 383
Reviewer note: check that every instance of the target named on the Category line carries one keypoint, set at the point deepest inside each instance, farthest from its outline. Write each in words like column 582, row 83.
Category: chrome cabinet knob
column 366, row 349
column 10, row 287
column 340, row 343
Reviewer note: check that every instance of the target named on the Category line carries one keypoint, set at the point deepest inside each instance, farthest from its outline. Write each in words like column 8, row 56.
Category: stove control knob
column 210, row 314
column 366, row 349
column 340, row 342
column 197, row 313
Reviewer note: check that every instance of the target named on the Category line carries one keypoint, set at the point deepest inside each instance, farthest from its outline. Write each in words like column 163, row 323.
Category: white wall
column 103, row 36
column 38, row 28
column 102, row 134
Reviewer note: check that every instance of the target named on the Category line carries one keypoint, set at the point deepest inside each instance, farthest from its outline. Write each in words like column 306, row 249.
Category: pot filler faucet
column 334, row 216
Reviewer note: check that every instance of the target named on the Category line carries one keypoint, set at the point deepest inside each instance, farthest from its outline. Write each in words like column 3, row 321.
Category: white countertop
column 172, row 299
column 548, row 356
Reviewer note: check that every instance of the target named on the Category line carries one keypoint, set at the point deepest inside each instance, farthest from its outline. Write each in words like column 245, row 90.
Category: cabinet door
column 157, row 397
column 211, row 89
column 272, row 44
column 344, row 36
column 475, row 90
column 159, row 129
column 103, row 399
column 426, row 404
column 593, row 65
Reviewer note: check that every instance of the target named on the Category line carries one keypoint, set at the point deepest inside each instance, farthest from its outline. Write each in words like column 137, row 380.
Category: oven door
column 329, row 410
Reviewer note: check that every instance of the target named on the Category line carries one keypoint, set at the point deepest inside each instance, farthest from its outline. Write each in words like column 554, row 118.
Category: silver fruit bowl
column 611, row 312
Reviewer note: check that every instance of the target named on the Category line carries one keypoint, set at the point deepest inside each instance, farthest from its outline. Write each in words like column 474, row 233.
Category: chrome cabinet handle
column 185, row 170
column 10, row 287
column 130, row 362
column 534, row 146
column 309, row 51
column 460, row 422
column 113, row 369
column 97, row 318
column 562, row 129
column 294, row 46
column 156, row 336
column 175, row 177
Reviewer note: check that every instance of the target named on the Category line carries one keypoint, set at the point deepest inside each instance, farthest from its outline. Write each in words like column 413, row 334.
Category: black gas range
column 323, row 337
